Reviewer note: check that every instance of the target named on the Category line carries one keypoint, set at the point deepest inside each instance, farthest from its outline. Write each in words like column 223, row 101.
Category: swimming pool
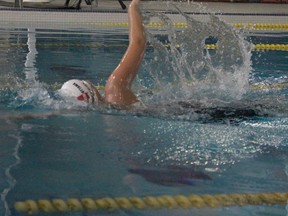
column 51, row 149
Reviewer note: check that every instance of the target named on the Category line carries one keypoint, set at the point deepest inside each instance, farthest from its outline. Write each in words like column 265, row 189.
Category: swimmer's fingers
column 135, row 1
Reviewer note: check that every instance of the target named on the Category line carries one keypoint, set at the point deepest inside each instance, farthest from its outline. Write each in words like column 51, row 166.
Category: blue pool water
column 53, row 149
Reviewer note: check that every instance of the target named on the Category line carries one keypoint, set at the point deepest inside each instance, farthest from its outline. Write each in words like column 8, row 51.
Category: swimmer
column 118, row 86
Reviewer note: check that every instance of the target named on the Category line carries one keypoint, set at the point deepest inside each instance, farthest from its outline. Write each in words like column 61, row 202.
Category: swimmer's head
column 81, row 90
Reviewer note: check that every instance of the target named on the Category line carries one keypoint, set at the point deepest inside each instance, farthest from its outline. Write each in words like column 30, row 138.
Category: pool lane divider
column 109, row 204
column 55, row 86
column 246, row 26
column 255, row 47
column 269, row 86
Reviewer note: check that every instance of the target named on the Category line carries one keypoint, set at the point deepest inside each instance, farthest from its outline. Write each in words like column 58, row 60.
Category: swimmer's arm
column 137, row 38
column 133, row 56
column 131, row 61
column 123, row 76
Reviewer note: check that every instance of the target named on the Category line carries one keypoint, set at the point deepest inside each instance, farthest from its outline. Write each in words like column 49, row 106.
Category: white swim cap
column 79, row 89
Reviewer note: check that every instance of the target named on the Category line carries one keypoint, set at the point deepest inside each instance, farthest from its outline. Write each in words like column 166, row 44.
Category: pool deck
column 54, row 12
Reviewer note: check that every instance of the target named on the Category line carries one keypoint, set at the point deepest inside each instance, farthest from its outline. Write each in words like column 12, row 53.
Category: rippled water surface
column 212, row 121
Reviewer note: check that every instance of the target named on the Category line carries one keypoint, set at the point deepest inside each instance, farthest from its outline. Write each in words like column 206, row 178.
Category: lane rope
column 150, row 202
column 255, row 47
column 246, row 26
column 55, row 86
column 269, row 86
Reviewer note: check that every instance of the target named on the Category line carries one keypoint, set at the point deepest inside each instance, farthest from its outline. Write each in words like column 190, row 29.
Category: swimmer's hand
column 135, row 2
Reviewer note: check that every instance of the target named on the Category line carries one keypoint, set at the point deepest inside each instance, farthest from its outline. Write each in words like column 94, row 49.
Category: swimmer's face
column 97, row 96
column 90, row 92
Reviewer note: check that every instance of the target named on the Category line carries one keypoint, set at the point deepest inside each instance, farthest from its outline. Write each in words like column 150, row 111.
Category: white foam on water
column 188, row 71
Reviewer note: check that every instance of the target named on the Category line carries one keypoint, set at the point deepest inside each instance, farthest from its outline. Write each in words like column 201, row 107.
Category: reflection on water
column 10, row 59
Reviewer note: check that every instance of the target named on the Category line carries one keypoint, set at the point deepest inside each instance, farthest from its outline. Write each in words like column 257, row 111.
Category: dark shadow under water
column 170, row 175
column 232, row 112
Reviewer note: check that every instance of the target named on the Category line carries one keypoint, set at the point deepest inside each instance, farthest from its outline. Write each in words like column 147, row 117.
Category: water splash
column 32, row 89
column 33, row 93
column 189, row 71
